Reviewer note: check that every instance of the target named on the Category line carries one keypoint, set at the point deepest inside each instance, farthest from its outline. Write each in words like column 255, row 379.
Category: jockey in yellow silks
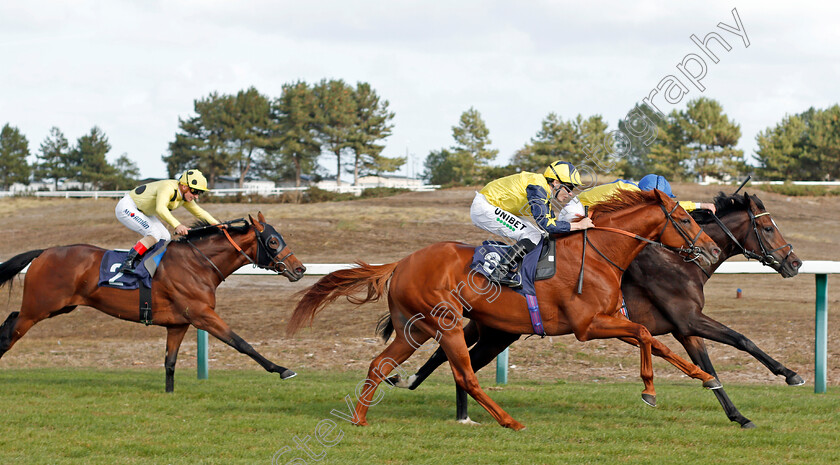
column 142, row 207
column 503, row 206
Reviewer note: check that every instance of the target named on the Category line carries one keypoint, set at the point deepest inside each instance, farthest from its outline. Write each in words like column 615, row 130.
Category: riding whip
column 583, row 255
column 742, row 184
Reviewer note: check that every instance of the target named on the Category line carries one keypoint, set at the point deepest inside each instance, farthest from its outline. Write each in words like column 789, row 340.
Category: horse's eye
column 768, row 229
column 686, row 221
column 273, row 243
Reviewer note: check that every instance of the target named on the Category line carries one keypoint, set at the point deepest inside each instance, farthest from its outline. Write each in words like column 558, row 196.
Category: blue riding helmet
column 654, row 181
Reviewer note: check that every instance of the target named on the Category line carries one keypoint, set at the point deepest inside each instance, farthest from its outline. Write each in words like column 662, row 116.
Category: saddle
column 141, row 279
column 536, row 265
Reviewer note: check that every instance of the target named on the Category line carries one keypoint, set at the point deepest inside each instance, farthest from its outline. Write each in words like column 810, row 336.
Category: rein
column 692, row 249
column 261, row 248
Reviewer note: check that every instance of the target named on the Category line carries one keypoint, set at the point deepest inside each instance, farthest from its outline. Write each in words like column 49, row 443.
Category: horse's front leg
column 174, row 337
column 605, row 326
column 211, row 322
column 708, row 328
column 696, row 349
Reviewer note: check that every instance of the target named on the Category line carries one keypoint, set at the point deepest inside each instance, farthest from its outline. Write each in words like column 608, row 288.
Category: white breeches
column 135, row 220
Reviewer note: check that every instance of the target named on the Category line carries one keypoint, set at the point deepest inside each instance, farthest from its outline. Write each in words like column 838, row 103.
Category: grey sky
column 133, row 68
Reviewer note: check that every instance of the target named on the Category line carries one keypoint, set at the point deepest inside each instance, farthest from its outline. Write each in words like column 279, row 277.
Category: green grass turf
column 81, row 416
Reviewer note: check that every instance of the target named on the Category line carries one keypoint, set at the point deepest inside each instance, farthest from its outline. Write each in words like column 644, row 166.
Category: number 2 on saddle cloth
column 142, row 278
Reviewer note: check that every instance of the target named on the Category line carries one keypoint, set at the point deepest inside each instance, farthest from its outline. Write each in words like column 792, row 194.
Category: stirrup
column 499, row 276
column 127, row 269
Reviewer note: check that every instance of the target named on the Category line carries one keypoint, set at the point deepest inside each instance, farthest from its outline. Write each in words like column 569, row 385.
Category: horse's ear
column 660, row 196
column 256, row 224
column 260, row 217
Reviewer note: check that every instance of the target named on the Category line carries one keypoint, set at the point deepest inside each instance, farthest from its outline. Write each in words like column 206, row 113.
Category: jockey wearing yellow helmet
column 503, row 205
column 142, row 207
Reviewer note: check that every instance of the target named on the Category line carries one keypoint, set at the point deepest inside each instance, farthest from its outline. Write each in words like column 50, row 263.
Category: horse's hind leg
column 209, row 321
column 174, row 337
column 6, row 332
column 696, row 349
column 390, row 358
column 437, row 359
column 459, row 360
column 18, row 323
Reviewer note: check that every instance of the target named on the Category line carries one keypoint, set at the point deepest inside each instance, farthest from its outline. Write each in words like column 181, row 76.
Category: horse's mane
column 622, row 199
column 202, row 228
column 726, row 204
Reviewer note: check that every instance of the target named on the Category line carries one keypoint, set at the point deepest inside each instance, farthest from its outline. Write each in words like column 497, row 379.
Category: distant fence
column 349, row 189
column 820, row 268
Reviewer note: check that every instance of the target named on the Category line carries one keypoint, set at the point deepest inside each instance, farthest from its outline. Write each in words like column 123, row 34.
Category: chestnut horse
column 665, row 294
column 428, row 295
column 183, row 288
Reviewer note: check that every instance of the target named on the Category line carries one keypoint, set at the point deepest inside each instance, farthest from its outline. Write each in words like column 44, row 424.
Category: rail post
column 821, row 334
column 502, row 367
column 201, row 338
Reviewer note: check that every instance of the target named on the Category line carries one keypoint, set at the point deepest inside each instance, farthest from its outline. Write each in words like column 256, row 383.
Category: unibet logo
column 505, row 224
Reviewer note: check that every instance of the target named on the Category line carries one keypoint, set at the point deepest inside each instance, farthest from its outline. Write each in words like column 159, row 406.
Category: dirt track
column 776, row 314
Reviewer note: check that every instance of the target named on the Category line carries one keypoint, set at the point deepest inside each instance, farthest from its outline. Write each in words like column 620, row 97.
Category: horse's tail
column 340, row 283
column 14, row 265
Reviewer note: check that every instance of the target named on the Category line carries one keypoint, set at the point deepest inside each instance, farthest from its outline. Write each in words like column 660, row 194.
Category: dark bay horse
column 665, row 294
column 183, row 289
column 432, row 289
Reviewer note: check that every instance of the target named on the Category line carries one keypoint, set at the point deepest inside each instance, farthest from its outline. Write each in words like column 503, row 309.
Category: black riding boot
column 129, row 266
column 510, row 262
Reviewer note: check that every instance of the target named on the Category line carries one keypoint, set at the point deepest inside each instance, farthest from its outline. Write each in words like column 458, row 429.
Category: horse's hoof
column 649, row 399
column 287, row 374
column 748, row 425
column 795, row 380
column 467, row 421
column 712, row 384
column 515, row 425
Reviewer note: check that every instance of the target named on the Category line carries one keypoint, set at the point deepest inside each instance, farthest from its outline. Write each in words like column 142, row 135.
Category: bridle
column 265, row 259
column 690, row 252
column 766, row 256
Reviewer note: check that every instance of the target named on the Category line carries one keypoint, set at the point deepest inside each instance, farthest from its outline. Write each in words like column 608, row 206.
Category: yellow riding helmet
column 194, row 180
column 564, row 172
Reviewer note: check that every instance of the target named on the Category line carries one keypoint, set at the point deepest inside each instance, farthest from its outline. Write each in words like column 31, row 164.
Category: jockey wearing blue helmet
column 655, row 181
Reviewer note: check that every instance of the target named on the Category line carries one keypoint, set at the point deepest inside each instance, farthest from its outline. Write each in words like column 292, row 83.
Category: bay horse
column 428, row 297
column 183, row 289
column 665, row 294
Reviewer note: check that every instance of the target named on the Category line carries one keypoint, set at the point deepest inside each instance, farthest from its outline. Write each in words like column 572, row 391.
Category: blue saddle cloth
column 488, row 255
column 112, row 259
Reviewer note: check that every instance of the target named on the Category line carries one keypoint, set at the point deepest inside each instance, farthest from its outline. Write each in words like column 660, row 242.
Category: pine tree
column 87, row 159
column 372, row 125
column 578, row 141
column 338, row 111
column 14, row 148
column 709, row 139
column 53, row 157
column 293, row 134
column 248, row 125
